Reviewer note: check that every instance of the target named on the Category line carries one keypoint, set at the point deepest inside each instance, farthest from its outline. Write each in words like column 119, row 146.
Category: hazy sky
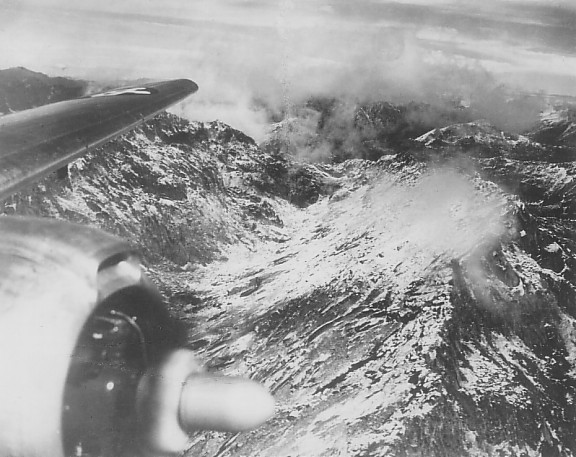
column 280, row 51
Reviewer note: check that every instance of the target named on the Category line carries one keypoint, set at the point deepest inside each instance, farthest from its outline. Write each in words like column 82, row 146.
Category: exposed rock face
column 182, row 192
column 558, row 127
column 421, row 304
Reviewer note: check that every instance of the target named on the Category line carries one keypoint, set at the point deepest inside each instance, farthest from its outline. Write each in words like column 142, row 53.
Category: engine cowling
column 92, row 363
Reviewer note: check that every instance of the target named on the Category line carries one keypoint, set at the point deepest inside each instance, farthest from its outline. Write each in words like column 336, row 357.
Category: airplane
column 92, row 363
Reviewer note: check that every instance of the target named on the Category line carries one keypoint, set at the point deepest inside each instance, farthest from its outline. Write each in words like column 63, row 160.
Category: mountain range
column 413, row 294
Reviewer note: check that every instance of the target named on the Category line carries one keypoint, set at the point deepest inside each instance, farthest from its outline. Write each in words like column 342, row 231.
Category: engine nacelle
column 90, row 357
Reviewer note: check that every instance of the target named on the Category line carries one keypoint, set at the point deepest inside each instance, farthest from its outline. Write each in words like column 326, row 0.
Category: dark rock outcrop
column 22, row 89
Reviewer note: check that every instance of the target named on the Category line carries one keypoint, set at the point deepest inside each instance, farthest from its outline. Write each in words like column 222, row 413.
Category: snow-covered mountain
column 558, row 126
column 418, row 304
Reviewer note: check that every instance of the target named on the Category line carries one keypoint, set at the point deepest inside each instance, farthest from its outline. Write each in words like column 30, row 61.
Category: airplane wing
column 36, row 142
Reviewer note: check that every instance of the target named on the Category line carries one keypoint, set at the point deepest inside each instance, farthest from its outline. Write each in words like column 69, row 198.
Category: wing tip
column 188, row 85
column 181, row 87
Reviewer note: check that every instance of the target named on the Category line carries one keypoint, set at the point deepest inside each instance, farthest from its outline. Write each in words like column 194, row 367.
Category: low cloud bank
column 253, row 84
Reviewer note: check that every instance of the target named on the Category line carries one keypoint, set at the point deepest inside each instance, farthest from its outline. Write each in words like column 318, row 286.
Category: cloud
column 251, row 58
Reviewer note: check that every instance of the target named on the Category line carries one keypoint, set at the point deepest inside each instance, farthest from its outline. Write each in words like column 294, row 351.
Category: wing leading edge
column 38, row 141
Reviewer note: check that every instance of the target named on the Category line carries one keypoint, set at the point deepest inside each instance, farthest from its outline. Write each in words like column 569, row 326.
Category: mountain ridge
column 21, row 88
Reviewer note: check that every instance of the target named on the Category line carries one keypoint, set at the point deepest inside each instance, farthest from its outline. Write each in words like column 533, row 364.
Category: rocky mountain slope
column 418, row 304
column 558, row 127
column 21, row 89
